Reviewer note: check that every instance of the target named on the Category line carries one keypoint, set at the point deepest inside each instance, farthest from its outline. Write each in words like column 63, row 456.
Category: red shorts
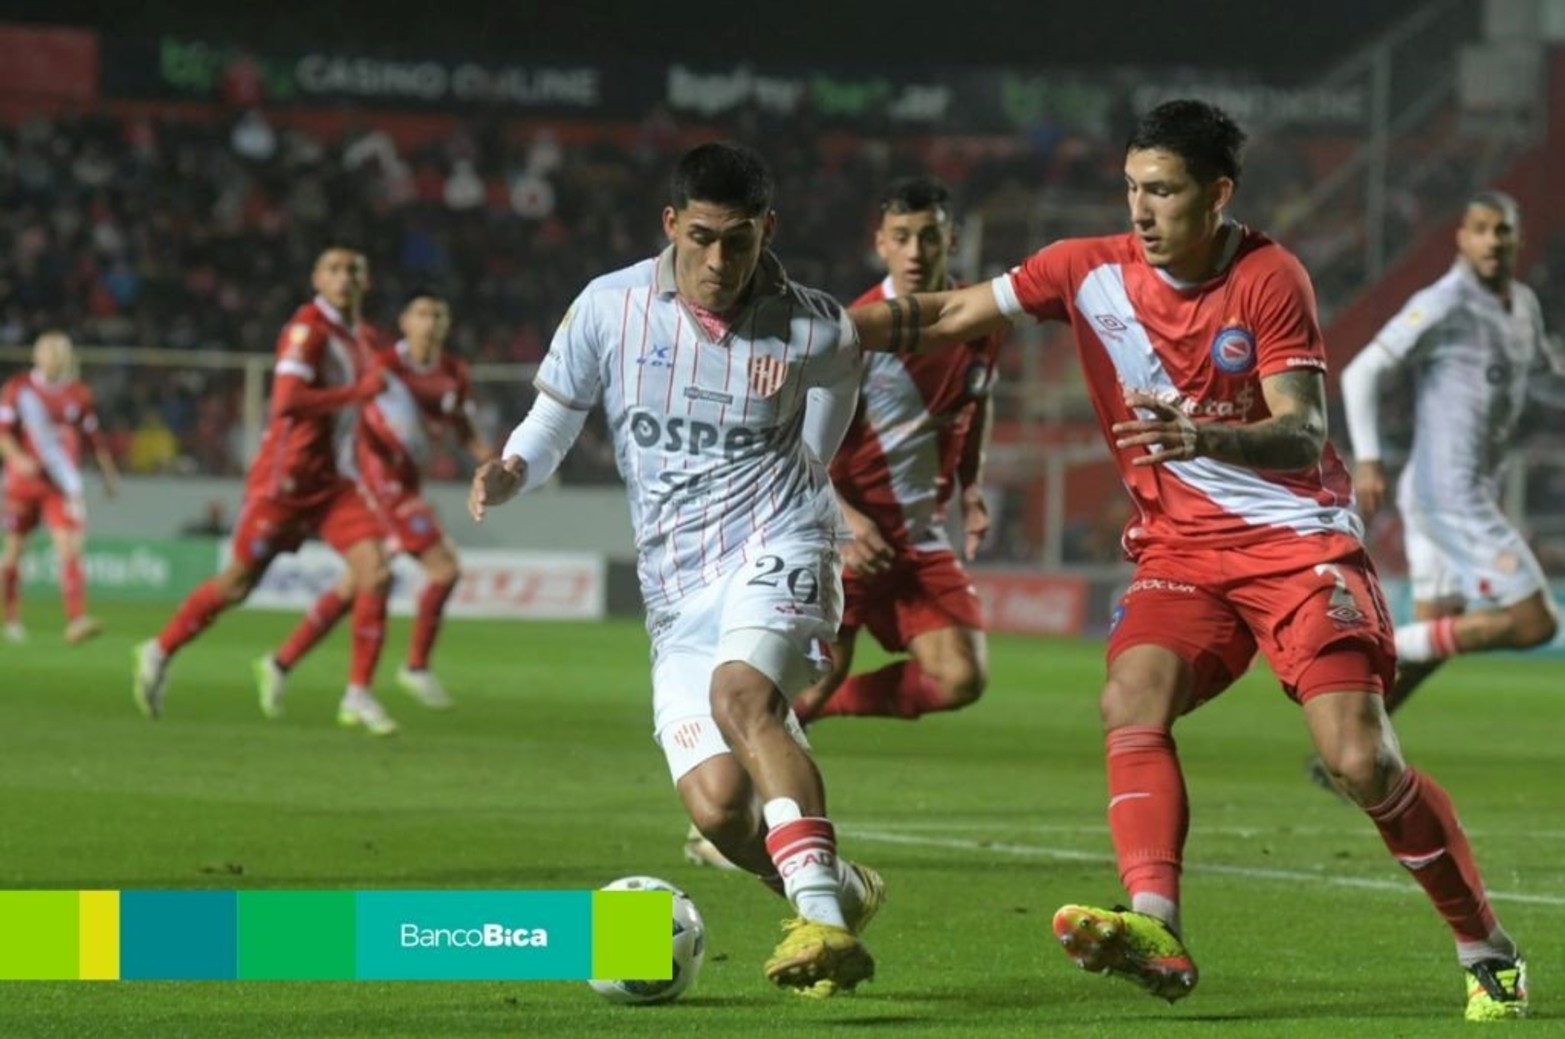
column 922, row 592
column 410, row 519
column 392, row 492
column 1314, row 607
column 26, row 503
column 268, row 527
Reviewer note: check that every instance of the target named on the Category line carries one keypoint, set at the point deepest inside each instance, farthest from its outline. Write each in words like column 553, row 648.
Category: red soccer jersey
column 418, row 401
column 899, row 458
column 1205, row 348
column 50, row 420
column 300, row 458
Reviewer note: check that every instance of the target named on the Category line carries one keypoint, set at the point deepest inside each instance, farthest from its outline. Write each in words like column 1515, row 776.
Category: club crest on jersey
column 767, row 375
column 1233, row 350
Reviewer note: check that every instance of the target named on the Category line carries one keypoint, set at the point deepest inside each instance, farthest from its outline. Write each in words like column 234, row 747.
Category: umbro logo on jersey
column 660, row 357
column 1111, row 324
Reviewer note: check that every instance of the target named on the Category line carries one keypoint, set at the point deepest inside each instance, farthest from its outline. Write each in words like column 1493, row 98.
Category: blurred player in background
column 300, row 485
column 1201, row 350
column 45, row 414
column 922, row 427
column 727, row 387
column 427, row 391
column 1471, row 341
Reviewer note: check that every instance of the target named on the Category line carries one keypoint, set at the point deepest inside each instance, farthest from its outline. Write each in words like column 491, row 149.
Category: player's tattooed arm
column 1292, row 438
column 928, row 321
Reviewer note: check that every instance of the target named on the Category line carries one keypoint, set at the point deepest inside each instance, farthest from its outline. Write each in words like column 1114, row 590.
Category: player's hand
column 23, row 465
column 371, row 384
column 868, row 553
column 495, row 483
column 975, row 520
column 1170, row 429
column 1369, row 487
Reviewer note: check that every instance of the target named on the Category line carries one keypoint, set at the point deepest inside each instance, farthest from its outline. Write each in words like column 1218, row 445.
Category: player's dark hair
column 917, row 195
column 419, row 292
column 723, row 173
column 1203, row 135
column 1498, row 201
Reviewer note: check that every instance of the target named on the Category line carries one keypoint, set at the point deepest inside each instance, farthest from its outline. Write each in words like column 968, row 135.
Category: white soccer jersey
column 707, row 435
column 1470, row 358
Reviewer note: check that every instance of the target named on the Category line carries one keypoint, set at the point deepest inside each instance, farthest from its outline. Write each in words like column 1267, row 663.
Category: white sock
column 1164, row 909
column 356, row 692
column 1498, row 946
column 805, row 853
column 1425, row 641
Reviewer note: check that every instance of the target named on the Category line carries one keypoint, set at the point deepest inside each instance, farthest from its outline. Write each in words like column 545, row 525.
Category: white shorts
column 778, row 613
column 1473, row 554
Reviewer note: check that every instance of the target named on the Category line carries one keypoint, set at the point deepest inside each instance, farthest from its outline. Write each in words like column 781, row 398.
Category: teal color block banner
column 474, row 935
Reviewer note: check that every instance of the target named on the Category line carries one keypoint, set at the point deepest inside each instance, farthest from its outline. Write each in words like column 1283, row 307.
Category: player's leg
column 371, row 574
column 925, row 605
column 1475, row 557
column 1173, row 646
column 323, row 616
column 809, row 705
column 1335, row 656
column 199, row 609
column 442, row 571
column 67, row 529
column 11, row 575
column 776, row 616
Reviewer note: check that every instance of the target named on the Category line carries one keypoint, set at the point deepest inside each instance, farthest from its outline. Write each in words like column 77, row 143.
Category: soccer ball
column 689, row 949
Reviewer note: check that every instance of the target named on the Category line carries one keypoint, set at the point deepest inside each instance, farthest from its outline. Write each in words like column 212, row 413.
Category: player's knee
column 1534, row 627
column 1129, row 700
column 445, row 571
column 374, row 578
column 962, row 683
column 1363, row 766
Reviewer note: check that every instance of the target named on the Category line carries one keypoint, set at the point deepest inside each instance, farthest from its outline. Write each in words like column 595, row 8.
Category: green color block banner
column 123, row 569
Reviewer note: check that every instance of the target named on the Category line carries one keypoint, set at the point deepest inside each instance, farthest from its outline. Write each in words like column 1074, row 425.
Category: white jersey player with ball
column 727, row 389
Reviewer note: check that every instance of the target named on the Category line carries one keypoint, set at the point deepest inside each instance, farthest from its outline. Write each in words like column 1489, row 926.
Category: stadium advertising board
column 495, row 583
column 1031, row 602
column 911, row 99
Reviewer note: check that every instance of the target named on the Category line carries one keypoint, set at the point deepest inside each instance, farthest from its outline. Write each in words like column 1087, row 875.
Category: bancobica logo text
column 489, row 936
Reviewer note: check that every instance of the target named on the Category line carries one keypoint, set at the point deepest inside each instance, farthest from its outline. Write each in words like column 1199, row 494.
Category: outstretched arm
column 929, row 320
column 530, row 456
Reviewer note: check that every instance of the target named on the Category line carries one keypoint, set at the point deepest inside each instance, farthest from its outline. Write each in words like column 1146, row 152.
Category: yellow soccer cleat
column 859, row 913
column 1496, row 990
column 1127, row 944
column 819, row 960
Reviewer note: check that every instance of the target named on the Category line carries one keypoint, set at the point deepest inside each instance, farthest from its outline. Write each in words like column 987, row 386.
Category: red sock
column 369, row 635
column 313, row 626
column 900, row 690
column 10, row 583
column 199, row 609
column 1420, row 827
column 805, row 854
column 1149, row 812
column 73, row 589
column 426, row 625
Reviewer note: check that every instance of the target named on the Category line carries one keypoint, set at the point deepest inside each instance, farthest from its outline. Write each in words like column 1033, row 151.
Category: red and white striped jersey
column 302, row 459
column 898, row 463
column 1205, row 348
column 50, row 420
column 399, row 425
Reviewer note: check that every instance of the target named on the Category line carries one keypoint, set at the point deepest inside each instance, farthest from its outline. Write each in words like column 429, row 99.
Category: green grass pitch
column 982, row 823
